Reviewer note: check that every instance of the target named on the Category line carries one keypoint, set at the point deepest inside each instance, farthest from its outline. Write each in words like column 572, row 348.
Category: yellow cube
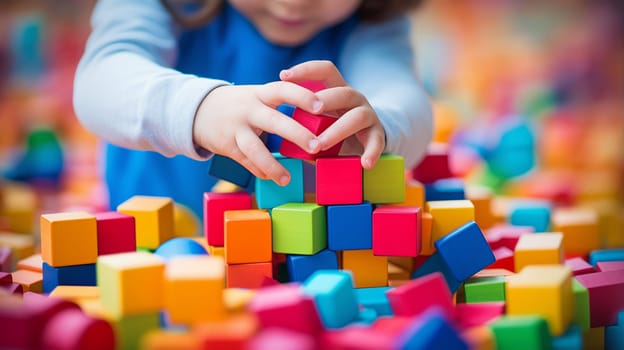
column 68, row 239
column 448, row 216
column 580, row 229
column 21, row 246
column 216, row 251
column 538, row 249
column 194, row 289
column 544, row 290
column 368, row 270
column 130, row 283
column 153, row 217
column 76, row 294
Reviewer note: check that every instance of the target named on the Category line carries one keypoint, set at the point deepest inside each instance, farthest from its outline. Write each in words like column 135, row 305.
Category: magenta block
column 84, row 333
column 339, row 180
column 478, row 314
column 606, row 291
column 116, row 233
column 396, row 230
column 215, row 204
column 579, row 266
column 418, row 295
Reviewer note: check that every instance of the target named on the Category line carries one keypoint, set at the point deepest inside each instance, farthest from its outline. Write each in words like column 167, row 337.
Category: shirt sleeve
column 378, row 61
column 125, row 91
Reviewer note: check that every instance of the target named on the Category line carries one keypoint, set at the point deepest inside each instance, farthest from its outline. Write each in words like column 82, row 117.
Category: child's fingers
column 341, row 98
column 274, row 122
column 279, row 92
column 350, row 123
column 253, row 148
column 374, row 142
column 236, row 154
column 324, row 71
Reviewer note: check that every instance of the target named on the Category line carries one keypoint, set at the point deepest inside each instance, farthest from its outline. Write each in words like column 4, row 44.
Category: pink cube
column 116, row 233
column 396, row 230
column 215, row 204
column 339, row 180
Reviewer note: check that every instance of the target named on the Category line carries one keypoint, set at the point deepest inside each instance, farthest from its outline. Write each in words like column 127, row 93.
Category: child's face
column 293, row 22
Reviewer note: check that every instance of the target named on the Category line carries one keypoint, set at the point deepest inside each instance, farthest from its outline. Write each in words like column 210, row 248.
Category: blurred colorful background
column 529, row 101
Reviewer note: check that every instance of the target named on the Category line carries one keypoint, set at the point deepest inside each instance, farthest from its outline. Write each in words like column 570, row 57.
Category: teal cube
column 385, row 183
column 299, row 228
column 485, row 289
column 270, row 195
column 334, row 297
column 534, row 213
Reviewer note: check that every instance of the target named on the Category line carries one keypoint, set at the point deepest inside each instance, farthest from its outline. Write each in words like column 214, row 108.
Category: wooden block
column 300, row 267
column 68, row 239
column 23, row 321
column 504, row 259
column 232, row 333
column 485, row 289
column 579, row 266
column 76, row 275
column 193, row 290
column 85, row 332
column 448, row 216
column 131, row 283
column 480, row 338
column 434, row 264
column 270, row 195
column 503, row 235
column 6, row 261
column 465, row 251
column 481, row 198
column 76, row 294
column 299, row 228
column 396, row 230
column 32, row 263
column 349, row 227
column 478, row 314
column 426, row 229
column 581, row 305
column 415, row 297
column 275, row 305
column 247, row 236
column 153, row 217
column 215, row 205
column 130, row 329
column 19, row 205
column 21, row 246
column 339, row 180
column 368, row 270
column 5, row 278
column 374, row 298
column 30, row 281
column 396, row 272
column 552, row 286
column 334, row 297
column 580, row 229
column 493, row 273
column 609, row 266
column 229, row 170
column 538, row 249
column 571, row 339
column 414, row 194
column 385, row 183
column 614, row 334
column 236, row 299
column 163, row 339
column 605, row 296
column 277, row 338
column 606, row 255
column 115, row 233
column 185, row 222
column 445, row 190
column 357, row 337
column 11, row 289
column 248, row 275
column 432, row 330
column 594, row 338
column 434, row 166
column 526, row 332
column 534, row 213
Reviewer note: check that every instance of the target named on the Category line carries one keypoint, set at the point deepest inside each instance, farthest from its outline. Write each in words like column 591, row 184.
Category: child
column 167, row 97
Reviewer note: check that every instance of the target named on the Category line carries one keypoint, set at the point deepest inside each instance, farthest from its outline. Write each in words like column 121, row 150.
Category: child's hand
column 230, row 119
column 357, row 117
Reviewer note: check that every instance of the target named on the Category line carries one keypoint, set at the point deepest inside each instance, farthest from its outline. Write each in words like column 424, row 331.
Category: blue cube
column 445, row 190
column 531, row 213
column 229, row 170
column 430, row 331
column 300, row 267
column 76, row 275
column 350, row 227
column 435, row 263
column 465, row 251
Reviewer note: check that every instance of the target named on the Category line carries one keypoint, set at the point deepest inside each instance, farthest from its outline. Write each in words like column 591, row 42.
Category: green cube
column 581, row 305
column 521, row 332
column 299, row 228
column 385, row 183
column 485, row 289
column 129, row 330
